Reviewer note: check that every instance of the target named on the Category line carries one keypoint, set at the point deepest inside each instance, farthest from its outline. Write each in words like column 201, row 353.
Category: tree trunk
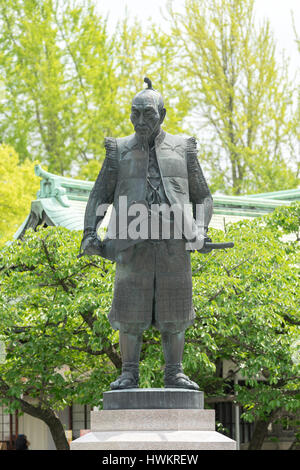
column 45, row 414
column 295, row 445
column 49, row 418
column 57, row 432
column 259, row 434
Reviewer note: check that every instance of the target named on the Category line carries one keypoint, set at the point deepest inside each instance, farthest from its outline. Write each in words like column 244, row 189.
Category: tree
column 242, row 98
column 247, row 304
column 141, row 52
column 18, row 187
column 67, row 84
column 59, row 345
column 61, row 348
column 295, row 143
column 60, row 86
column 149, row 52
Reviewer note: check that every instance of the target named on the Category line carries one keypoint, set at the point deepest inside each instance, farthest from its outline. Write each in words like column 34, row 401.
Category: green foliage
column 247, row 303
column 66, row 84
column 61, row 348
column 141, row 53
column 53, row 309
column 18, row 187
column 60, row 82
column 54, row 318
column 242, row 97
column 287, row 219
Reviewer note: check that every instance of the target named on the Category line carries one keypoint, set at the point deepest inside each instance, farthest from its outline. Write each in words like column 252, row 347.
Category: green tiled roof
column 287, row 195
column 61, row 201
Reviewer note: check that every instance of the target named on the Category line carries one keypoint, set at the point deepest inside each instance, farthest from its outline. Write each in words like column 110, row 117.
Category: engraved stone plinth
column 156, row 428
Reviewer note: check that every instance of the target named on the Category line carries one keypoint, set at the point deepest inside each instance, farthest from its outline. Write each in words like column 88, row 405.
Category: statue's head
column 147, row 111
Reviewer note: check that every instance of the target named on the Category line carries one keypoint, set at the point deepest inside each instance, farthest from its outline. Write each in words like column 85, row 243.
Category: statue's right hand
column 90, row 244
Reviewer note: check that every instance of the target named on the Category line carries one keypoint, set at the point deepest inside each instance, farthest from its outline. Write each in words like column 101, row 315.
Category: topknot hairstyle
column 155, row 94
column 149, row 83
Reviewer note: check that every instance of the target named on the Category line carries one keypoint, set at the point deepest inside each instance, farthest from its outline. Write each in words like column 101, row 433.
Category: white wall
column 37, row 432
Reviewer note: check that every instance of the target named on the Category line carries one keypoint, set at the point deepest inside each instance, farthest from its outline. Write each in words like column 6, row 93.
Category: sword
column 218, row 246
column 208, row 246
column 107, row 250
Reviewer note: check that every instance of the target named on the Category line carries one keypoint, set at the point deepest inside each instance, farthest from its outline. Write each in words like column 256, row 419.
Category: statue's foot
column 129, row 377
column 126, row 380
column 175, row 378
column 181, row 381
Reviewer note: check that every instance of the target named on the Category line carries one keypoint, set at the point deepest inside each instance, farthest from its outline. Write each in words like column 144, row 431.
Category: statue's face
column 145, row 115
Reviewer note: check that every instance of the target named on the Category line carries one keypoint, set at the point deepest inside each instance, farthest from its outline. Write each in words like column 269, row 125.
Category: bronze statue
column 153, row 282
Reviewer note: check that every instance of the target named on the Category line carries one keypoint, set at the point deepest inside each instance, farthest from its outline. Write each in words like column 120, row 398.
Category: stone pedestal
column 153, row 419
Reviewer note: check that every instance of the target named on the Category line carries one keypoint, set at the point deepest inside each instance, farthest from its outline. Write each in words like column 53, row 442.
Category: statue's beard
column 148, row 139
column 144, row 142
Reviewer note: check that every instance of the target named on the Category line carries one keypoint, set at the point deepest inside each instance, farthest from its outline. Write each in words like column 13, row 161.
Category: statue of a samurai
column 153, row 281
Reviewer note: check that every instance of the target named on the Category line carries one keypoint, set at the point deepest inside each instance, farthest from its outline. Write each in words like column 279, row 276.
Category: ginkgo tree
column 59, row 83
column 243, row 95
column 18, row 187
column 66, row 82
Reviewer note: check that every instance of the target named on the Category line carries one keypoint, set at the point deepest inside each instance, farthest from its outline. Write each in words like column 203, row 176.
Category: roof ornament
column 50, row 186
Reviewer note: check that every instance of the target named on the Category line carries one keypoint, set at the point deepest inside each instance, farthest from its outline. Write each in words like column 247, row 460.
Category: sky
column 277, row 11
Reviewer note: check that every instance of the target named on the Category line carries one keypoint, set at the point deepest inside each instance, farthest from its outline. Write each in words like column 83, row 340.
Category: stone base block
column 157, row 429
column 154, row 440
column 152, row 420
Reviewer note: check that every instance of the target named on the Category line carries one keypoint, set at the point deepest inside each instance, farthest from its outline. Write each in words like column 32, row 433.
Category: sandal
column 128, row 379
column 175, row 378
